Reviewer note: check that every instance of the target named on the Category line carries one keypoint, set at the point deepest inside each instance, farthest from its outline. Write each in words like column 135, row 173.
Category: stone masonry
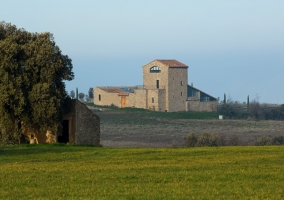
column 87, row 126
column 82, row 127
column 165, row 86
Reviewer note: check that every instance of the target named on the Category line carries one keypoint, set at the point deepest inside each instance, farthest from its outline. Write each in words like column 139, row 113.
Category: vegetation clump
column 191, row 140
column 206, row 139
column 255, row 110
column 267, row 141
column 32, row 74
column 214, row 140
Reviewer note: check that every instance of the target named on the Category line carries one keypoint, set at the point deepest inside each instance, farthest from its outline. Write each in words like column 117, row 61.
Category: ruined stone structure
column 80, row 126
column 165, row 88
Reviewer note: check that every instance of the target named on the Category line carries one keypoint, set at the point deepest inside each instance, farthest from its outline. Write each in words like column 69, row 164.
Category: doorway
column 123, row 102
column 64, row 138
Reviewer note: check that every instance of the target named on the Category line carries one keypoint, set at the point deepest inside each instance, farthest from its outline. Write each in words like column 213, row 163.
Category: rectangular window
column 157, row 84
column 153, row 100
column 181, row 83
column 181, row 94
column 100, row 97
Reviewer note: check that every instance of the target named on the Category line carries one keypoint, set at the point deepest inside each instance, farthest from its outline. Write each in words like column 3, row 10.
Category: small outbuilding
column 80, row 126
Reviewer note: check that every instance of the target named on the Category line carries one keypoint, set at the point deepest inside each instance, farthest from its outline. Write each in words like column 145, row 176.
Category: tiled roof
column 120, row 90
column 172, row 63
column 111, row 90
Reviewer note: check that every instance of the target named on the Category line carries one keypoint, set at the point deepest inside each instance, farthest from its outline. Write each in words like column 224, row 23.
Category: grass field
column 75, row 172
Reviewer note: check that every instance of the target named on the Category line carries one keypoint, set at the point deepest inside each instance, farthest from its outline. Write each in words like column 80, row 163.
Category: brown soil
column 132, row 130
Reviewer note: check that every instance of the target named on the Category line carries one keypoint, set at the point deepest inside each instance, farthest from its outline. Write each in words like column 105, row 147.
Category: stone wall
column 137, row 99
column 106, row 98
column 83, row 127
column 150, row 79
column 87, row 126
column 177, row 89
column 162, row 100
column 172, row 80
column 163, row 90
column 152, row 99
column 209, row 106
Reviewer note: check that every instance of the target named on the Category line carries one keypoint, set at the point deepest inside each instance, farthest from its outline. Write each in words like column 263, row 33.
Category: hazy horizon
column 232, row 47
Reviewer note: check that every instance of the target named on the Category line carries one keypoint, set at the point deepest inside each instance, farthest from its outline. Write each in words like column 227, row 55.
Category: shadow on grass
column 30, row 149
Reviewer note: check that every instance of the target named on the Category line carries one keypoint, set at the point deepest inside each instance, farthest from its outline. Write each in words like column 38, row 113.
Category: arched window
column 155, row 69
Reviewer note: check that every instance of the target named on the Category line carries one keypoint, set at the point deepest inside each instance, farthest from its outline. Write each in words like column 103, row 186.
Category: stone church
column 165, row 88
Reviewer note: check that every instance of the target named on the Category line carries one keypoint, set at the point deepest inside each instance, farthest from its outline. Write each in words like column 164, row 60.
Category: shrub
column 255, row 110
column 204, row 140
column 113, row 106
column 275, row 113
column 215, row 140
column 278, row 140
column 263, row 141
column 228, row 110
column 234, row 110
column 191, row 140
column 234, row 141
column 8, row 139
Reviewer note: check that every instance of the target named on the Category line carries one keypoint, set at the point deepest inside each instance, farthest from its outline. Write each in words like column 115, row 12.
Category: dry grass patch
column 140, row 129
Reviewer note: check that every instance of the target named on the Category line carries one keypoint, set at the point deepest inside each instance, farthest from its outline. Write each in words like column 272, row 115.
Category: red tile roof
column 172, row 63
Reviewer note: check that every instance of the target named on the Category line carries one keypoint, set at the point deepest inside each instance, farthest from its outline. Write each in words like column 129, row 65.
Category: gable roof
column 118, row 90
column 190, row 86
column 111, row 89
column 172, row 63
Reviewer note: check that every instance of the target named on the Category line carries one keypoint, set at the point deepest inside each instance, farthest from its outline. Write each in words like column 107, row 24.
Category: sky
column 232, row 47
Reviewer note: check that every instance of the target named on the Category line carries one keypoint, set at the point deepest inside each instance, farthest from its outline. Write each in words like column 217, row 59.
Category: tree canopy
column 91, row 93
column 81, row 96
column 72, row 94
column 32, row 74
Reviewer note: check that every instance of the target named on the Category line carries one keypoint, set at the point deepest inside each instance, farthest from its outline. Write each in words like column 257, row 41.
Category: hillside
column 142, row 128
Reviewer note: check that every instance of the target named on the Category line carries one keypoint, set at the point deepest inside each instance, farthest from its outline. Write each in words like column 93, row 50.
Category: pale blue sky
column 231, row 46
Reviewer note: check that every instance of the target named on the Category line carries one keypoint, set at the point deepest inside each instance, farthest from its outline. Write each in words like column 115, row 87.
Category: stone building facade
column 165, row 88
column 80, row 126
column 200, row 101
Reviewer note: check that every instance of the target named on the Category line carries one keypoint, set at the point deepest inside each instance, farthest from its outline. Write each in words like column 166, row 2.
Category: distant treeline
column 236, row 110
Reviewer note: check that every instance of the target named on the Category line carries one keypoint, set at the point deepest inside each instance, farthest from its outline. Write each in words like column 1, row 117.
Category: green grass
column 75, row 172
column 169, row 115
column 115, row 115
column 186, row 115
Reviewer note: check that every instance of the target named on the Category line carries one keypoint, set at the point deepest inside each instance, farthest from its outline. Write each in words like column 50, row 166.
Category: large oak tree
column 32, row 74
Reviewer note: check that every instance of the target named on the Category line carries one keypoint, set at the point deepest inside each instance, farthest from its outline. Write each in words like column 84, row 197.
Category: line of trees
column 233, row 109
column 83, row 97
column 255, row 110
